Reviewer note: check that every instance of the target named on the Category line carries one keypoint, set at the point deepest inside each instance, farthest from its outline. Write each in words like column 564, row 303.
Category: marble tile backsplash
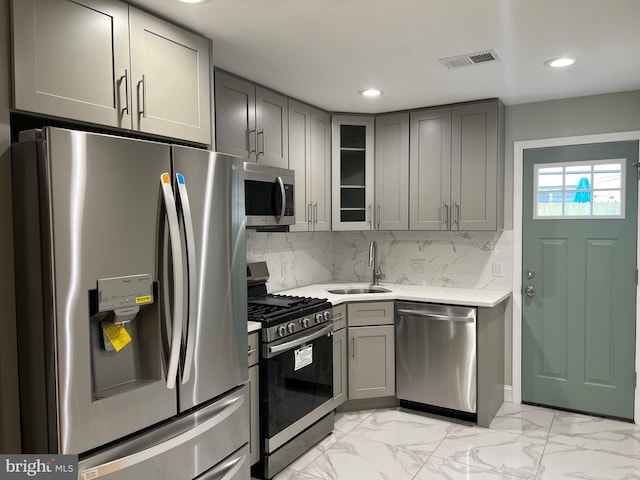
column 444, row 259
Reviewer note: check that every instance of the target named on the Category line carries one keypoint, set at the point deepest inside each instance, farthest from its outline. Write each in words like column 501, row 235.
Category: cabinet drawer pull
column 251, row 352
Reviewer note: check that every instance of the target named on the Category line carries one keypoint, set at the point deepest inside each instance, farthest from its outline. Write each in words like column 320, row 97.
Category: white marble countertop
column 253, row 326
column 418, row 293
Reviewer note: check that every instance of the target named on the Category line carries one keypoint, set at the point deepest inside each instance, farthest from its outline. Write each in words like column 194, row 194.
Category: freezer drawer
column 181, row 449
column 436, row 355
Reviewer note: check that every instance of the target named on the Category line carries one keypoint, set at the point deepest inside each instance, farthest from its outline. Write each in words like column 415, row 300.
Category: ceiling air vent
column 470, row 59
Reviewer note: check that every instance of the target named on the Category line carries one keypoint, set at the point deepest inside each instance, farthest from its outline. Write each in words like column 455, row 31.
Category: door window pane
column 593, row 189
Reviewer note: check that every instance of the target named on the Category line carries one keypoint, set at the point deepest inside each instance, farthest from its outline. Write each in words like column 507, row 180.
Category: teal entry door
column 579, row 231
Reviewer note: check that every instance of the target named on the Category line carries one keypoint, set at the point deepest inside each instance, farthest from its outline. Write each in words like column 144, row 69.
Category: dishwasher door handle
column 436, row 316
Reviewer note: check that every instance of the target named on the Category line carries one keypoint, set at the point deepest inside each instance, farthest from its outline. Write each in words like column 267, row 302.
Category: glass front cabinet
column 352, row 172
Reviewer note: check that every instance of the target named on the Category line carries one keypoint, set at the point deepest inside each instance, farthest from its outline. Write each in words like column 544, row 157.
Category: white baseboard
column 508, row 393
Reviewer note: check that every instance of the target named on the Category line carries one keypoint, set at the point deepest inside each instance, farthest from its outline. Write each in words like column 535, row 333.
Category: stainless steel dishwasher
column 436, row 355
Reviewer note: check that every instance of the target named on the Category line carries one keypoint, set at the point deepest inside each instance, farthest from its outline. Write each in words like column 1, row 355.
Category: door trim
column 518, row 159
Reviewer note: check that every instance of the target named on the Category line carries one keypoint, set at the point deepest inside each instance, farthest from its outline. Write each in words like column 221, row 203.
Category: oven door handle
column 277, row 349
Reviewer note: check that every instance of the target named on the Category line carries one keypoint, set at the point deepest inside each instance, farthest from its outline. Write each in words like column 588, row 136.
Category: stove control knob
column 304, row 322
column 327, row 316
column 318, row 318
column 291, row 328
column 282, row 330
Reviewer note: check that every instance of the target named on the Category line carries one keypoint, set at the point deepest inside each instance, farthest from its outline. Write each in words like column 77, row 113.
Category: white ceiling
column 325, row 51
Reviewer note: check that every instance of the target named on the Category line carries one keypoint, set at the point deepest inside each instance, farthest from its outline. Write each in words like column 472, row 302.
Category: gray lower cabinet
column 103, row 62
column 371, row 350
column 251, row 122
column 457, row 167
column 340, row 385
column 310, row 158
column 254, row 395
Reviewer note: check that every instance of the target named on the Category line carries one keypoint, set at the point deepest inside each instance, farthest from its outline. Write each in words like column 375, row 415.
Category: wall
column 444, row 259
column 9, row 413
column 615, row 112
column 450, row 259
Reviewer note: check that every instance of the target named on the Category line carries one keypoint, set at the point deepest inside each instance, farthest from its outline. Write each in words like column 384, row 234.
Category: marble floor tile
column 596, row 433
column 443, row 469
column 344, row 422
column 501, row 452
column 357, row 458
column 302, row 462
column 402, row 428
column 523, row 419
column 564, row 462
column 524, row 442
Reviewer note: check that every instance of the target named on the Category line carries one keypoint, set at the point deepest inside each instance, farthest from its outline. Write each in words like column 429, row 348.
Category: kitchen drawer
column 339, row 314
column 363, row 314
column 253, row 348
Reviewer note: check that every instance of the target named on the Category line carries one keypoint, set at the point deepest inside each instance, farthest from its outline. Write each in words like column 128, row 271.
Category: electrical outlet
column 496, row 269
column 417, row 266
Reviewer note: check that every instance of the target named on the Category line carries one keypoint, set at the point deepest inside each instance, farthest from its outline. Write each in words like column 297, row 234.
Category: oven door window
column 294, row 384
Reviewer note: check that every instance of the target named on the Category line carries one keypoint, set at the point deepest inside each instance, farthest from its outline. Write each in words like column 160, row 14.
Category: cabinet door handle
column 457, row 216
column 445, row 216
column 261, row 152
column 315, row 213
column 125, row 78
column 353, row 347
column 309, row 217
column 369, row 219
column 249, row 132
column 143, row 83
column 379, row 208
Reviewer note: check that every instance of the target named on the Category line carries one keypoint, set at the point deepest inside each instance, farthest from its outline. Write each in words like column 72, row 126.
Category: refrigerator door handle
column 223, row 411
column 185, row 211
column 227, row 470
column 178, row 280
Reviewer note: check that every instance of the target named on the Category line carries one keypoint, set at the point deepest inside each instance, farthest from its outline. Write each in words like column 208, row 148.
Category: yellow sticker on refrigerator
column 143, row 299
column 117, row 335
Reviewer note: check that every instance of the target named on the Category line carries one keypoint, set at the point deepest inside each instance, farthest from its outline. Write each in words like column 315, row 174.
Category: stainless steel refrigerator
column 131, row 305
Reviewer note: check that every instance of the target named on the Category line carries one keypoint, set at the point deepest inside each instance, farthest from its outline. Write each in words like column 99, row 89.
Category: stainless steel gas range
column 296, row 372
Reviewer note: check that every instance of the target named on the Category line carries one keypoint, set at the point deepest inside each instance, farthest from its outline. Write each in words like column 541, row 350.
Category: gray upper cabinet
column 86, row 59
column 251, row 121
column 457, row 167
column 477, row 166
column 170, row 79
column 391, row 210
column 310, row 158
column 352, row 172
column 430, row 185
column 71, row 59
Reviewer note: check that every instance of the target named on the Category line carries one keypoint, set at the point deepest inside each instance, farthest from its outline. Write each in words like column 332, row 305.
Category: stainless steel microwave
column 268, row 195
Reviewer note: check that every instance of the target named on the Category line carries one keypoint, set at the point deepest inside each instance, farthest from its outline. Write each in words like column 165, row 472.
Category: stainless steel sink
column 354, row 291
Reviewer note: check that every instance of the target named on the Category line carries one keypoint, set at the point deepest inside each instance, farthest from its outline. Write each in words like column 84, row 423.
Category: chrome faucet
column 373, row 261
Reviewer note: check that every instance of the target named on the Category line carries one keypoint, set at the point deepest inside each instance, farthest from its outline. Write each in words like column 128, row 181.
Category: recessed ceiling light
column 560, row 62
column 193, row 1
column 370, row 92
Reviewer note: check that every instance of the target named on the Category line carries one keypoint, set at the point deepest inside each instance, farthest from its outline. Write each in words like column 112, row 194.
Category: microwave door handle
column 178, row 280
column 284, row 199
column 185, row 211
